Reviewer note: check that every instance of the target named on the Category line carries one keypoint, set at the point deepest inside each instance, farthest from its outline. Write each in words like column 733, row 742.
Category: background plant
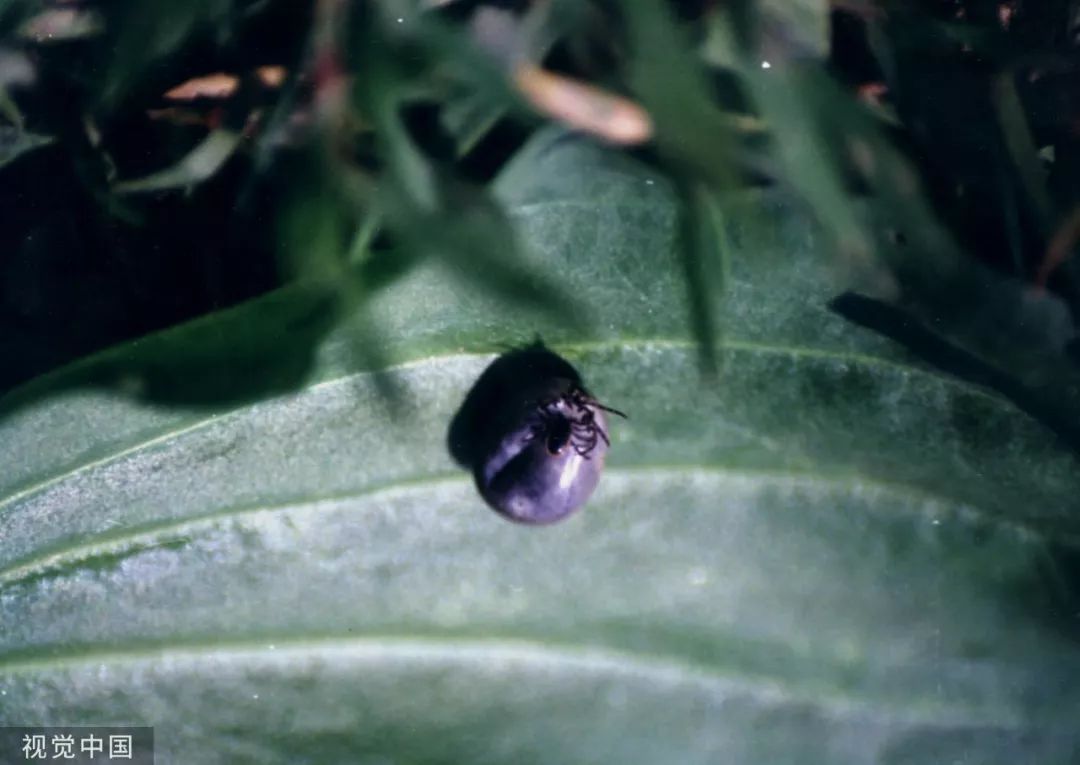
column 175, row 160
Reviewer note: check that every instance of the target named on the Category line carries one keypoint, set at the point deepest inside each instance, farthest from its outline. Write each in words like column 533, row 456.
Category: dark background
column 83, row 268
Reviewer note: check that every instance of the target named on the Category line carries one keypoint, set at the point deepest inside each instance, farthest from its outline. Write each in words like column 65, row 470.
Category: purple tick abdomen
column 533, row 437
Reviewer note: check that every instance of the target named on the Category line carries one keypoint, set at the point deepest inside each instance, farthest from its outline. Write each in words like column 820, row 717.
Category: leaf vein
column 136, row 539
column 201, row 422
column 656, row 670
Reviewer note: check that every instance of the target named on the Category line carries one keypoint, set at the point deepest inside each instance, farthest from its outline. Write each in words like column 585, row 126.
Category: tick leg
column 598, row 405
column 584, row 438
column 595, row 430
column 583, row 400
column 587, row 449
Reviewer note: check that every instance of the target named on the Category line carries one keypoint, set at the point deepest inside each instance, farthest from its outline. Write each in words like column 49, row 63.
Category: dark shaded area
column 935, row 745
column 82, row 269
column 495, row 149
column 946, row 68
column 1052, row 594
column 698, row 241
column 1051, row 591
column 899, row 326
column 234, row 359
column 503, row 387
column 76, row 279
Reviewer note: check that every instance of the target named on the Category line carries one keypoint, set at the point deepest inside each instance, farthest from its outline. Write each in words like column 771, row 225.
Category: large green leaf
column 832, row 553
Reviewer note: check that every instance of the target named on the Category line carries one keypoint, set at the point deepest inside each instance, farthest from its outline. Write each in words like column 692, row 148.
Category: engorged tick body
column 534, row 437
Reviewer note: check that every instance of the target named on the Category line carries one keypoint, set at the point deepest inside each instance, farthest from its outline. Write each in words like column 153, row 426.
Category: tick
column 533, row 436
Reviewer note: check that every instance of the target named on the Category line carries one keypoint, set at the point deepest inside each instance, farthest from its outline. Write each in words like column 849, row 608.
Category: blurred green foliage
column 933, row 141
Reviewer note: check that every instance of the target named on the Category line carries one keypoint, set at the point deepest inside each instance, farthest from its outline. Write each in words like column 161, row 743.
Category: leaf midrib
column 570, row 348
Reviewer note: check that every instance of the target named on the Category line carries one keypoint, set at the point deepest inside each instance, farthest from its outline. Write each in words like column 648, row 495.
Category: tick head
column 559, row 430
